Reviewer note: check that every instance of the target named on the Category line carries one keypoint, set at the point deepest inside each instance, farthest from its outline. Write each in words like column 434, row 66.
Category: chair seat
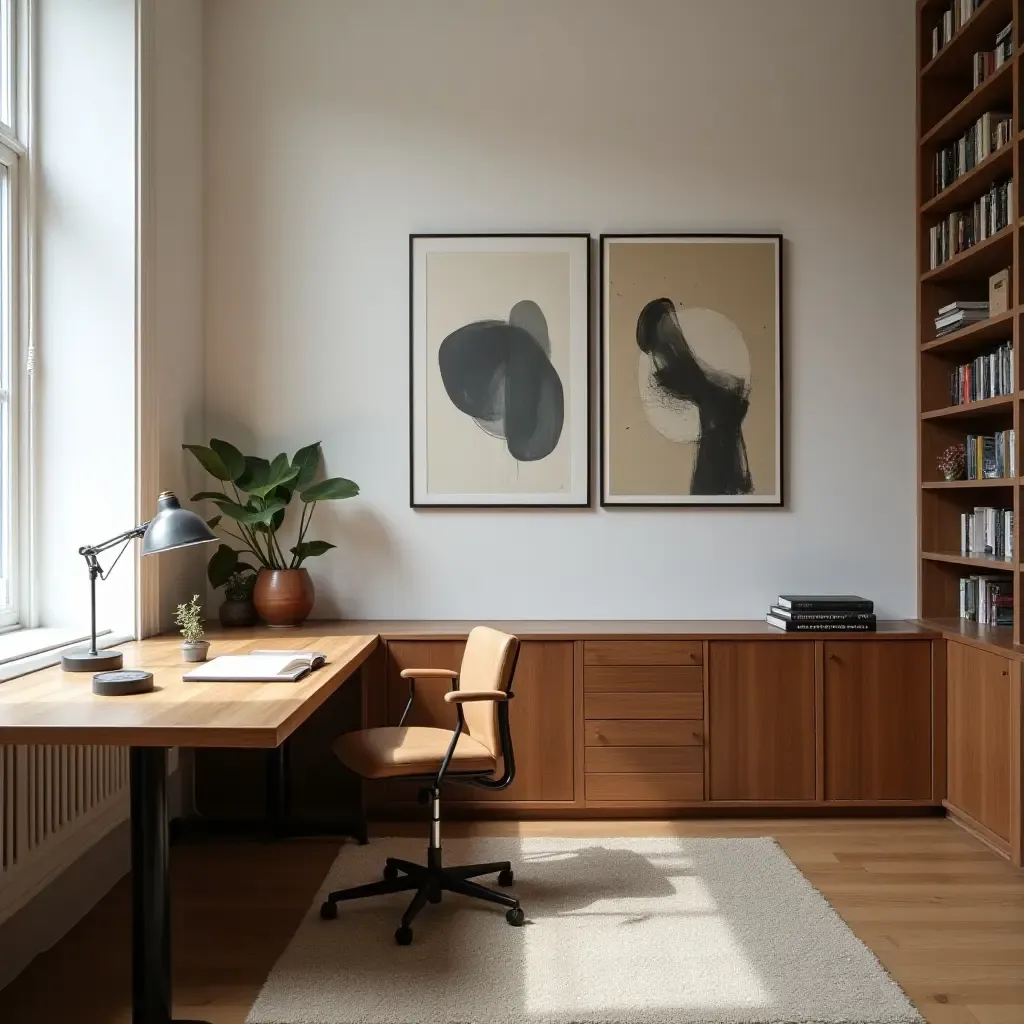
column 394, row 751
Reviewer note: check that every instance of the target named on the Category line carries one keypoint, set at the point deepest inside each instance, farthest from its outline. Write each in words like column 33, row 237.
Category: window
column 12, row 334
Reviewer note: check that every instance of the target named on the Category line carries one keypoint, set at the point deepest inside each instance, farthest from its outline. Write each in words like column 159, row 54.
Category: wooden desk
column 51, row 706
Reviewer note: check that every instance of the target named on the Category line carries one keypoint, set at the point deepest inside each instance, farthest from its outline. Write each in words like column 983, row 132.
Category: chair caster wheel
column 390, row 872
column 506, row 877
column 328, row 910
column 515, row 917
column 403, row 936
column 435, row 896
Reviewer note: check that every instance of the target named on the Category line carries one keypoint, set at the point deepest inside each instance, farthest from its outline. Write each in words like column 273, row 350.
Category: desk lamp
column 172, row 527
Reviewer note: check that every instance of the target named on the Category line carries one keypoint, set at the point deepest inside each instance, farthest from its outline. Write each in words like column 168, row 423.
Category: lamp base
column 83, row 660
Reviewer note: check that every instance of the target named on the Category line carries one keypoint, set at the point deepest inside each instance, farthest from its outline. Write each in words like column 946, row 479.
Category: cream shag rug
column 650, row 931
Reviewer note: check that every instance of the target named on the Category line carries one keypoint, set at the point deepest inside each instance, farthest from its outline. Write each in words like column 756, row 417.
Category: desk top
column 51, row 706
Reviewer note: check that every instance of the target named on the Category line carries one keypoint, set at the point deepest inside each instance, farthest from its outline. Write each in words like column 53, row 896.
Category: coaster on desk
column 122, row 683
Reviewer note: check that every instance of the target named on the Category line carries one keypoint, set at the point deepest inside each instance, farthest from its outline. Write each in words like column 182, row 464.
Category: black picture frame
column 588, row 500
column 706, row 501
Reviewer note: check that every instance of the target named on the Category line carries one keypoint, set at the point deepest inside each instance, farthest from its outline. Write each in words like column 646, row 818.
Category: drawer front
column 641, row 678
column 643, row 705
column 673, row 733
column 642, row 652
column 632, row 788
column 644, row 759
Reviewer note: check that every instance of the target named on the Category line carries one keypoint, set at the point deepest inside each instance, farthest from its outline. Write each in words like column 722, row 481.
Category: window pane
column 6, row 448
column 6, row 62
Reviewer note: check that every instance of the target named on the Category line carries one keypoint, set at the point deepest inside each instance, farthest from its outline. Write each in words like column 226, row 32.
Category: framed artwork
column 691, row 370
column 499, row 368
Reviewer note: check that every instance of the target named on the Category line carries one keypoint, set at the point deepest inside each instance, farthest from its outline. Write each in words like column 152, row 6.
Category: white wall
column 85, row 358
column 336, row 127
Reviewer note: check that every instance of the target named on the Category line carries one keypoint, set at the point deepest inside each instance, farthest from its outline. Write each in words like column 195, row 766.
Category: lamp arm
column 89, row 553
column 92, row 550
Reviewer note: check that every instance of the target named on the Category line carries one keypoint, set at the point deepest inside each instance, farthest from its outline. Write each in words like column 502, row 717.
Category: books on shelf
column 956, row 15
column 987, row 600
column 963, row 228
column 990, row 457
column 958, row 315
column 987, row 531
column 808, row 613
column 990, row 132
column 1004, row 45
column 990, row 375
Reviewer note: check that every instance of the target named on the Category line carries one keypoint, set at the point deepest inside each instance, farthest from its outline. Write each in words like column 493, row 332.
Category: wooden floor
column 944, row 915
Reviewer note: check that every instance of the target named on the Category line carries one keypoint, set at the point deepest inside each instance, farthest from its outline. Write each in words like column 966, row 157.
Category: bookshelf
column 948, row 105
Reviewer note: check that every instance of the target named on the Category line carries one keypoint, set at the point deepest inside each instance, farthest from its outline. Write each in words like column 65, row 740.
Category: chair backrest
column 487, row 664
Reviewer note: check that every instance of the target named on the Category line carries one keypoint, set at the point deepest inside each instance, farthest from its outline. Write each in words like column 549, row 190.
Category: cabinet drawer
column 642, row 652
column 664, row 788
column 643, row 705
column 644, row 759
column 640, row 733
column 640, row 678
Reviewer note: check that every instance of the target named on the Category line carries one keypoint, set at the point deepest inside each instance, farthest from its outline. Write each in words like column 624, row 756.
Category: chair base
column 429, row 881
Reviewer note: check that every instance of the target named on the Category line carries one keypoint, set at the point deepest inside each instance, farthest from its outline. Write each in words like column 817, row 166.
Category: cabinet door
column 878, row 720
column 761, row 719
column 980, row 735
column 540, row 715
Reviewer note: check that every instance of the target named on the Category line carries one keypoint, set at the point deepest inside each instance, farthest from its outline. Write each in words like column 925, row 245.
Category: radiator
column 55, row 802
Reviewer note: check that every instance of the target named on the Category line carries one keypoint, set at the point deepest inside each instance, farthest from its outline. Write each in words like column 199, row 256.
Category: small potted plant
column 189, row 619
column 237, row 608
column 951, row 462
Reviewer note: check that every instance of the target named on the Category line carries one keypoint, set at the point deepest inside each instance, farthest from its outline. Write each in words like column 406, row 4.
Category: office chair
column 474, row 753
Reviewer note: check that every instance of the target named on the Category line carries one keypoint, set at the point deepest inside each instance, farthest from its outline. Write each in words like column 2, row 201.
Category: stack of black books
column 958, row 315
column 815, row 613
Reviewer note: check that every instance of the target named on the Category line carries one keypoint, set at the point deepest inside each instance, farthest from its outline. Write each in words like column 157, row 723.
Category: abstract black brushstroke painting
column 721, row 400
column 499, row 372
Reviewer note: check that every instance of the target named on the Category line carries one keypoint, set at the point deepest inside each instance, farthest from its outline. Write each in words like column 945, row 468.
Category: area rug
column 651, row 931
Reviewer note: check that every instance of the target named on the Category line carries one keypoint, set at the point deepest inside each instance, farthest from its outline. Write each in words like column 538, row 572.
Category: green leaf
column 281, row 471
column 209, row 460
column 223, row 564
column 307, row 460
column 233, row 459
column 212, row 495
column 252, row 517
column 309, row 548
column 212, row 523
column 333, row 489
column 257, row 471
column 232, row 509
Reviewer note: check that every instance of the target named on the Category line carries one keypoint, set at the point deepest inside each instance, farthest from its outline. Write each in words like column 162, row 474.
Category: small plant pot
column 196, row 650
column 237, row 613
column 283, row 597
column 952, row 475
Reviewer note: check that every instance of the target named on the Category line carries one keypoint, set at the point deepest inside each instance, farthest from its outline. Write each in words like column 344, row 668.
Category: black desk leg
column 151, row 901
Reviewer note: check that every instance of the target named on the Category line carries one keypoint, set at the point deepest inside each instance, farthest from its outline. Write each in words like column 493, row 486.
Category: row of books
column 990, row 375
column 815, row 613
column 953, row 18
column 987, row 531
column 987, row 600
column 964, row 228
column 957, row 315
column 986, row 62
column 990, row 132
column 992, row 457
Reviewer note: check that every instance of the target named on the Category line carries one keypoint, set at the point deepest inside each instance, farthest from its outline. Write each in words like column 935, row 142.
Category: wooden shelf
column 973, row 561
column 1004, row 403
column 953, row 485
column 976, row 182
column 977, row 33
column 994, row 330
column 997, row 639
column 979, row 262
column 995, row 91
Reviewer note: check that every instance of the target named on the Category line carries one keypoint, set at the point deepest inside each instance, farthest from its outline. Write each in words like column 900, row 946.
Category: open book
column 257, row 667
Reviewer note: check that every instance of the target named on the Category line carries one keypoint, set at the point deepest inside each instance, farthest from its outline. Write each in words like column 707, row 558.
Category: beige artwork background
column 463, row 287
column 738, row 280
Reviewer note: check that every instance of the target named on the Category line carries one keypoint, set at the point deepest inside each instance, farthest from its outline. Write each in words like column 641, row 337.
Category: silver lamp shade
column 174, row 527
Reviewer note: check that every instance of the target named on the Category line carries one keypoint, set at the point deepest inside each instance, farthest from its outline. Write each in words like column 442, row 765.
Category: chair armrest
column 469, row 696
column 429, row 673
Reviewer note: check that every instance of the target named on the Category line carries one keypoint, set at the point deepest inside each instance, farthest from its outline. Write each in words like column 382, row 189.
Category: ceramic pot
column 283, row 597
column 195, row 650
column 237, row 613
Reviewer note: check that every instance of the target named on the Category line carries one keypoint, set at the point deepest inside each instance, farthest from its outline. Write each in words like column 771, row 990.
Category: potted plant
column 189, row 619
column 261, row 492
column 237, row 608
column 951, row 462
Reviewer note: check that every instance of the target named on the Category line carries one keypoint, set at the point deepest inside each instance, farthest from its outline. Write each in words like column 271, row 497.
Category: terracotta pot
column 237, row 613
column 283, row 597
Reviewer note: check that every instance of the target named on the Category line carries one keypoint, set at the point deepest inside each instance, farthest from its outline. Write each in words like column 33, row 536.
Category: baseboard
column 54, row 911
